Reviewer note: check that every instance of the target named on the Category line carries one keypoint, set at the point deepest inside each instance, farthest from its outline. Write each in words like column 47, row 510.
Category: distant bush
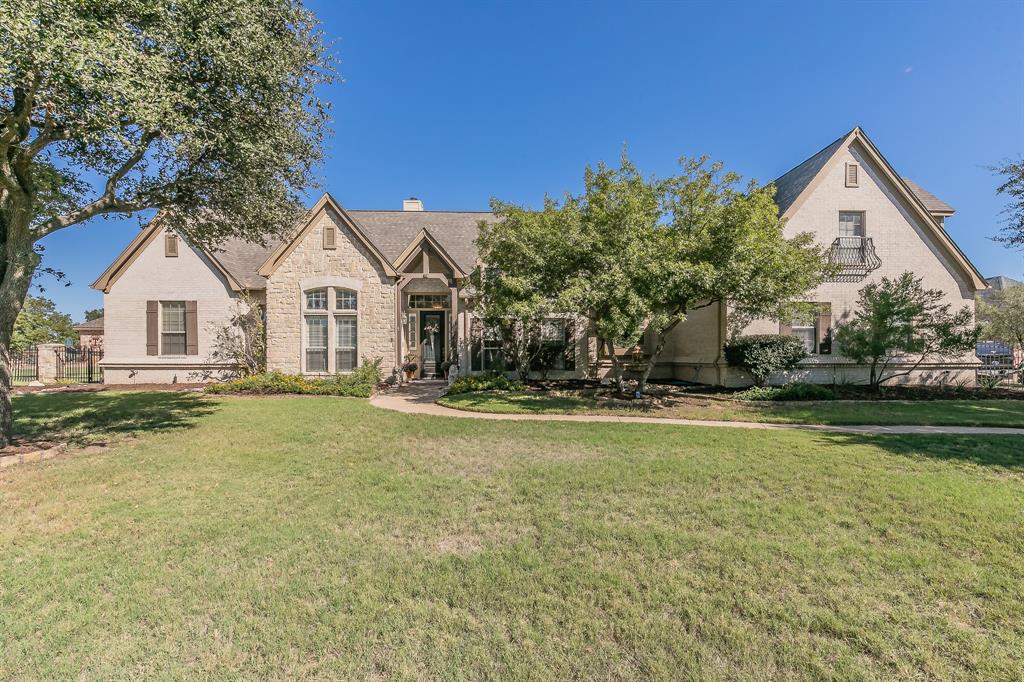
column 470, row 383
column 357, row 384
column 794, row 391
column 762, row 354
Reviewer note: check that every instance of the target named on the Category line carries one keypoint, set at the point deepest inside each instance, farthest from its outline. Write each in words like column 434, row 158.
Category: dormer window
column 852, row 175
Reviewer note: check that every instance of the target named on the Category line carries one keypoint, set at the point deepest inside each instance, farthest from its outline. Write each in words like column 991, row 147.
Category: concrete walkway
column 419, row 398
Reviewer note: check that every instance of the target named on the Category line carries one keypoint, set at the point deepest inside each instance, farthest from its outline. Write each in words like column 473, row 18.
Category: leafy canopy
column 1003, row 318
column 40, row 322
column 1012, row 233
column 899, row 321
column 205, row 107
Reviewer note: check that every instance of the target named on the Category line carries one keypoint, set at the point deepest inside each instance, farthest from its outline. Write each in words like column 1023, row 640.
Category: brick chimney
column 412, row 204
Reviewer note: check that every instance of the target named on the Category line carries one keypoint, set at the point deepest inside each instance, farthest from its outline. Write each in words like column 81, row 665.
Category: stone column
column 48, row 362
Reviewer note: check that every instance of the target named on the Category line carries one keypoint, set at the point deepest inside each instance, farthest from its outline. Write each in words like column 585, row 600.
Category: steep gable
column 801, row 182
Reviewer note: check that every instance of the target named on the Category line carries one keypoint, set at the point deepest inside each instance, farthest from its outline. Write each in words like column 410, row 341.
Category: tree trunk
column 17, row 266
column 620, row 384
column 652, row 360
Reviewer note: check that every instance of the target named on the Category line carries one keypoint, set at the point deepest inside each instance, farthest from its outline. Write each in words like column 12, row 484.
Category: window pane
column 432, row 301
column 552, row 331
column 805, row 334
column 172, row 343
column 851, row 224
column 345, row 360
column 316, row 300
column 316, row 331
column 345, row 332
column 344, row 299
column 173, row 316
column 316, row 360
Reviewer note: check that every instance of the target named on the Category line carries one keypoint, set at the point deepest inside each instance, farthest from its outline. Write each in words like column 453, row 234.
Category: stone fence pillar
column 48, row 362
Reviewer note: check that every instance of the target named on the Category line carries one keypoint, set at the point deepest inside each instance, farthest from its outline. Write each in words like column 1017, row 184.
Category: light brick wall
column 154, row 277
column 902, row 242
column 310, row 260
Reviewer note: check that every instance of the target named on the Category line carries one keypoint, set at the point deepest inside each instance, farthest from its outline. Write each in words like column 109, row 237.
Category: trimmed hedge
column 794, row 391
column 762, row 354
column 358, row 384
column 471, row 383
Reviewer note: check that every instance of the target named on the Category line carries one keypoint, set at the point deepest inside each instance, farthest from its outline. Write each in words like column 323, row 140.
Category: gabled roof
column 456, row 231
column 935, row 205
column 1000, row 282
column 424, row 237
column 326, row 203
column 94, row 326
column 799, row 182
column 790, row 185
column 137, row 245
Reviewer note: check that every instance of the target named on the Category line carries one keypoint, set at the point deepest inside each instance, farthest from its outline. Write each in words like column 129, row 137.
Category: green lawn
column 322, row 537
column 924, row 412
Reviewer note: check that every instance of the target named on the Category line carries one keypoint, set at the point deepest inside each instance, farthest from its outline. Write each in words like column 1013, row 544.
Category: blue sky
column 459, row 102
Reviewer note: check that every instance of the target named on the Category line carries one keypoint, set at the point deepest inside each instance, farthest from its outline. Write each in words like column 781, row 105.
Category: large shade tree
column 205, row 110
column 1012, row 186
column 635, row 255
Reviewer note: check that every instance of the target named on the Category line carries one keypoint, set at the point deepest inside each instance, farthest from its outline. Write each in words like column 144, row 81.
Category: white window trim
column 332, row 284
column 183, row 332
column 863, row 223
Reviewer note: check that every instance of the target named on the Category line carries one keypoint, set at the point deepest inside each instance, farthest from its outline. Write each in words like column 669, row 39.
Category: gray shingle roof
column 930, row 201
column 242, row 259
column 390, row 231
column 789, row 185
column 997, row 283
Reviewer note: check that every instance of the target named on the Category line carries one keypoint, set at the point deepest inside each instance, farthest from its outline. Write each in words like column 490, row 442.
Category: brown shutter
column 329, row 237
column 823, row 324
column 171, row 246
column 191, row 328
column 152, row 328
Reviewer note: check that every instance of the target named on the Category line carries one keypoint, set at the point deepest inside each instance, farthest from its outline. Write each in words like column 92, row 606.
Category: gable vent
column 171, row 245
column 852, row 174
column 330, row 237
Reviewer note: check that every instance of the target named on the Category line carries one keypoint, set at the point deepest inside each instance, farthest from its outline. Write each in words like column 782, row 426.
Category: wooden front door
column 432, row 348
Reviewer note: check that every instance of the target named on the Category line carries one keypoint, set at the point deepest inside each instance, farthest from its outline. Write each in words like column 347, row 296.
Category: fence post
column 48, row 361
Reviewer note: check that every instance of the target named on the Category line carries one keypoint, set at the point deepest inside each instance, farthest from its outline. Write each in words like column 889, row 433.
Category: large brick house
column 354, row 284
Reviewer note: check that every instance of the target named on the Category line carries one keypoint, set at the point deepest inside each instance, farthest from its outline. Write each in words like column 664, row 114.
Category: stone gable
column 310, row 260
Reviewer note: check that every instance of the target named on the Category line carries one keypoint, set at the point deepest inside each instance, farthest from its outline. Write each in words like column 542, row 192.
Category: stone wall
column 311, row 261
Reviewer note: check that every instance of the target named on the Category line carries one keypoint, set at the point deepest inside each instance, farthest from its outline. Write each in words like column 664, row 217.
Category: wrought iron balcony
column 854, row 255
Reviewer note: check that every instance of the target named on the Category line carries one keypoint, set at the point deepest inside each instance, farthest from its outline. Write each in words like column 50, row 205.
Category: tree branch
column 106, row 202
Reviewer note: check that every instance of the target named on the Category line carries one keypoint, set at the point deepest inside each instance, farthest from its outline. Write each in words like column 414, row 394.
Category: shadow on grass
column 89, row 418
column 998, row 452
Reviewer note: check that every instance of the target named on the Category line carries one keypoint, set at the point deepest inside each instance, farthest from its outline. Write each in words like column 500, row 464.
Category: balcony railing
column 854, row 255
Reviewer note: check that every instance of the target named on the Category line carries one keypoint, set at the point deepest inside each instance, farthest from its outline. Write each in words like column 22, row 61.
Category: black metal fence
column 24, row 366
column 79, row 365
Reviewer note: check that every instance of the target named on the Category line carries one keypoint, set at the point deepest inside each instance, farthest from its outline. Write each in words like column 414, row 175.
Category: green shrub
column 762, row 354
column 492, row 381
column 357, row 384
column 794, row 391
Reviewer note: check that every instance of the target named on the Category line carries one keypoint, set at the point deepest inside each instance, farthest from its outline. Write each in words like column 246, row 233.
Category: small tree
column 1012, row 233
column 899, row 322
column 762, row 354
column 1003, row 318
column 242, row 343
column 93, row 314
column 40, row 322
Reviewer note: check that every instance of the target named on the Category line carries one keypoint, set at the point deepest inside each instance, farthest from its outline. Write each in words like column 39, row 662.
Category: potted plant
column 409, row 367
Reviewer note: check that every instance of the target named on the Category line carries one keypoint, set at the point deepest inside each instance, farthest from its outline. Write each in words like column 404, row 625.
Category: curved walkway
column 420, row 398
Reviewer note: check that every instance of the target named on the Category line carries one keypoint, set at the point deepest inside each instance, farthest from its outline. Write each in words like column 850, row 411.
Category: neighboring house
column 999, row 353
column 90, row 334
column 350, row 284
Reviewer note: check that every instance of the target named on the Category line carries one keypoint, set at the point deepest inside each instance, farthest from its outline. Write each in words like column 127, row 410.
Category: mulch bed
column 96, row 388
